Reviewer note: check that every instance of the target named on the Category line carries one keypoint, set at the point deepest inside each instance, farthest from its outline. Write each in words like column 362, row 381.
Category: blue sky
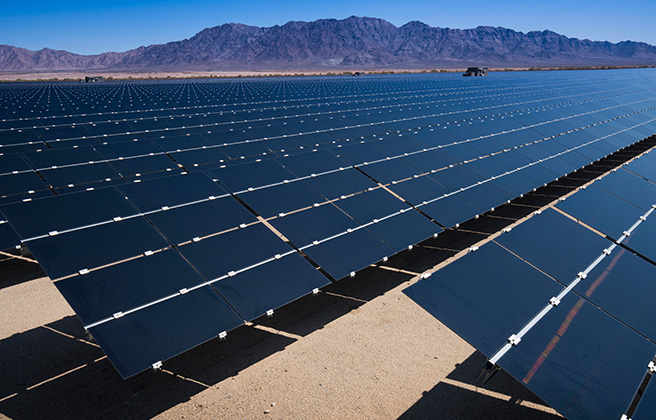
column 89, row 27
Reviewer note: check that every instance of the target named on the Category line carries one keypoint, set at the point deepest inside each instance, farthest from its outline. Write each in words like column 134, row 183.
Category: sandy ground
column 79, row 75
column 359, row 350
column 192, row 74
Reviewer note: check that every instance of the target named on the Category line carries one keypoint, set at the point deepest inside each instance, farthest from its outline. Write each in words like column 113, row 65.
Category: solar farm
column 182, row 219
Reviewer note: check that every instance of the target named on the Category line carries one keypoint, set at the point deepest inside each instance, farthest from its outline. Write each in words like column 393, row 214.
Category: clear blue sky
column 89, row 26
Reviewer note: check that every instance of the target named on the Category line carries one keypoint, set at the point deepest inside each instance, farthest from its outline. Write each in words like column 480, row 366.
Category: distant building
column 93, row 79
column 358, row 73
column 476, row 71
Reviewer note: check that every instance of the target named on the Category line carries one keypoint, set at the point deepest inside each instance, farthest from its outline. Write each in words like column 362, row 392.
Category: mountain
column 355, row 42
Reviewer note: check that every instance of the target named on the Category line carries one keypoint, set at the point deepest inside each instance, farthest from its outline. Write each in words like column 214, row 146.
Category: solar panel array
column 564, row 301
column 168, row 213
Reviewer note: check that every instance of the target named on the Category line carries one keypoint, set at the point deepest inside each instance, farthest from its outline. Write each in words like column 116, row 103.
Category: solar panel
column 585, row 343
column 201, row 213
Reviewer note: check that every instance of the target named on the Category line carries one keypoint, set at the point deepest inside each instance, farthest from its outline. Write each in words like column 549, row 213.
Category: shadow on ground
column 463, row 387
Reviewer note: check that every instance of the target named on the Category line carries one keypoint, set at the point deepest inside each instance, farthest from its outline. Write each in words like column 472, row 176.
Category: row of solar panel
column 232, row 128
column 411, row 104
column 409, row 161
column 85, row 167
column 588, row 355
column 90, row 230
column 142, row 262
column 108, row 98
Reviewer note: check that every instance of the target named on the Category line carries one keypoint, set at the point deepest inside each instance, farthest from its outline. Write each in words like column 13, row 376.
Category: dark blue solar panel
column 348, row 253
column 8, row 236
column 271, row 201
column 218, row 255
column 255, row 291
column 635, row 190
column 101, row 293
column 171, row 191
column 40, row 217
column 596, row 361
column 68, row 253
column 135, row 341
column 485, row 296
column 399, row 231
column 555, row 244
column 197, row 220
column 602, row 210
column 251, row 175
column 647, row 407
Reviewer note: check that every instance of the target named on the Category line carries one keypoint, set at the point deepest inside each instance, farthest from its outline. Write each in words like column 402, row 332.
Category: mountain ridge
column 354, row 42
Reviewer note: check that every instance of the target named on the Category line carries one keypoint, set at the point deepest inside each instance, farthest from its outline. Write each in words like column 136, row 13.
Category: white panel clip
column 223, row 335
column 184, row 291
column 410, row 247
column 582, row 275
column 315, row 205
column 118, row 315
column 626, row 233
column 211, row 197
column 473, row 249
column 315, row 242
column 118, row 219
column 53, row 233
column 148, row 253
column 425, row 275
column 281, row 214
column 606, row 251
column 554, row 301
column 231, row 273
column 652, row 367
column 269, row 313
column 514, row 340
column 352, row 274
column 506, row 230
column 624, row 417
column 315, row 291
column 385, row 259
column 83, row 271
column 196, row 239
column 164, row 208
column 157, row 365
column 643, row 218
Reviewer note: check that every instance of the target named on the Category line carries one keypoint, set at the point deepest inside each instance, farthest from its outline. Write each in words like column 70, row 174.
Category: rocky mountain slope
column 349, row 43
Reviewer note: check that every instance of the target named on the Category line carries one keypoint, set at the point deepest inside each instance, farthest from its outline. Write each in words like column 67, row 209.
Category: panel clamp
column 269, row 313
column 157, row 365
column 514, row 340
column 652, row 367
column 554, row 301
